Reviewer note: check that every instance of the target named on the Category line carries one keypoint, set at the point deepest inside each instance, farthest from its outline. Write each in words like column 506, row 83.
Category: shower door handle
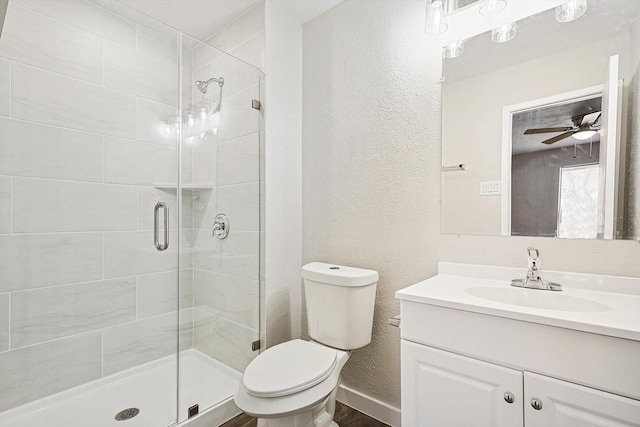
column 156, row 220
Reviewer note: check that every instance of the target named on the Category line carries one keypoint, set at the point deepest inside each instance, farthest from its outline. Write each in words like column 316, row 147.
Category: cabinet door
column 565, row 404
column 444, row 389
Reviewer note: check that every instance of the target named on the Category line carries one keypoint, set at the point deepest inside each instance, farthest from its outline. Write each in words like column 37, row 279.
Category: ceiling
column 197, row 18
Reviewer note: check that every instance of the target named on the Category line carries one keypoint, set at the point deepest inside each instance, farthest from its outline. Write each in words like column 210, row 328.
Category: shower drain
column 127, row 414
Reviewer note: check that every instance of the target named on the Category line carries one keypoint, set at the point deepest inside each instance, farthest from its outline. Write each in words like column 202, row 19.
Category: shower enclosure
column 120, row 298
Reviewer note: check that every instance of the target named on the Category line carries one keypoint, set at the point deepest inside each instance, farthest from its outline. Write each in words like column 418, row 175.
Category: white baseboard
column 368, row 405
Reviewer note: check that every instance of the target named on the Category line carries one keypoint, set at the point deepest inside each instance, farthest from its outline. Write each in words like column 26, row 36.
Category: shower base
column 150, row 388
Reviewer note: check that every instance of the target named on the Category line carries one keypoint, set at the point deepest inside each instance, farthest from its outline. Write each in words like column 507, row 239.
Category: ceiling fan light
column 571, row 10
column 491, row 7
column 503, row 33
column 436, row 19
column 454, row 49
column 584, row 135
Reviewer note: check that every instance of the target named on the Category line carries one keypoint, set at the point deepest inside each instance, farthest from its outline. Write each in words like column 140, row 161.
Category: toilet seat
column 289, row 368
column 295, row 403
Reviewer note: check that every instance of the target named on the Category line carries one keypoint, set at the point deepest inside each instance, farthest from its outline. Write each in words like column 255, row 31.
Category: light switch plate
column 490, row 188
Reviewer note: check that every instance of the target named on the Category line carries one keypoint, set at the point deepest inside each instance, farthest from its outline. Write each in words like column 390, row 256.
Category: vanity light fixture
column 571, row 10
column 491, row 7
column 454, row 49
column 584, row 135
column 436, row 19
column 504, row 33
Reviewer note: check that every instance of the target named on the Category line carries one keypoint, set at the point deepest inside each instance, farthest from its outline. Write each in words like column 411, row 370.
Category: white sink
column 534, row 298
column 606, row 305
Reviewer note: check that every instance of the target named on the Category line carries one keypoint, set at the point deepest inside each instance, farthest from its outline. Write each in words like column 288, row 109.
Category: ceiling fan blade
column 590, row 118
column 546, row 130
column 596, row 121
column 559, row 137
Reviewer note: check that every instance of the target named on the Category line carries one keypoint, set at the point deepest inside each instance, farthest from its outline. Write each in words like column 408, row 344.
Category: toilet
column 294, row 384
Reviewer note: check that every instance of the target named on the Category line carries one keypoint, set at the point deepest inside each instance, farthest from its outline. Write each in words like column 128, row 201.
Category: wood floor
column 345, row 417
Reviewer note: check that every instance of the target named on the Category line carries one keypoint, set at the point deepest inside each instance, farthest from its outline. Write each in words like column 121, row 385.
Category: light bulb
column 571, row 10
column 454, row 49
column 436, row 20
column 167, row 129
column 504, row 33
column 491, row 7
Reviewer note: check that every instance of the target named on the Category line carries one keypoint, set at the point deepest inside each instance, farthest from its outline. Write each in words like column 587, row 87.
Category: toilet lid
column 288, row 368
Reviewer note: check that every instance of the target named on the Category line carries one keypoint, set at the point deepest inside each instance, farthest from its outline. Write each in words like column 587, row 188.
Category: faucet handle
column 533, row 252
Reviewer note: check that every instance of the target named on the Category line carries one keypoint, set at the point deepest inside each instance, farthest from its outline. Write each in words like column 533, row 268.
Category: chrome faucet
column 534, row 279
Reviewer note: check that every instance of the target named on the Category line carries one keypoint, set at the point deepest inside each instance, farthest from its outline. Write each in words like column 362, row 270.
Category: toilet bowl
column 294, row 384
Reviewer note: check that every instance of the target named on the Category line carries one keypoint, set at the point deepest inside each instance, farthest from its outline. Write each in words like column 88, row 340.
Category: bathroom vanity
column 479, row 352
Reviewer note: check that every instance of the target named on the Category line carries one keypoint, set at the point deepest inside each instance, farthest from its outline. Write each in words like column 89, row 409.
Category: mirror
column 573, row 77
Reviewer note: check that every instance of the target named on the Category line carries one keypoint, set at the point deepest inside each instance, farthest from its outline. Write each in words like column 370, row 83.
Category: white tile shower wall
column 240, row 160
column 5, row 300
column 155, row 44
column 5, row 204
column 48, row 313
column 148, row 127
column 66, row 49
column 128, row 71
column 5, row 87
column 229, row 297
column 31, row 261
column 39, row 370
column 38, row 151
column 224, row 340
column 84, row 15
column 84, row 96
column 44, row 97
column 226, row 272
column 86, row 206
column 158, row 294
column 134, row 343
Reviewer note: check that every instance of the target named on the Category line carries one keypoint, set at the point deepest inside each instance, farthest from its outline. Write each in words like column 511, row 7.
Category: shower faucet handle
column 220, row 227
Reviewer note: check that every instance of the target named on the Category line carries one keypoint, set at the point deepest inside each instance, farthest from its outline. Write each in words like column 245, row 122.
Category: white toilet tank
column 340, row 302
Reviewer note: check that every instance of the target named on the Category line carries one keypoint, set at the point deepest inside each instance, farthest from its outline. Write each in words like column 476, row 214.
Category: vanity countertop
column 606, row 305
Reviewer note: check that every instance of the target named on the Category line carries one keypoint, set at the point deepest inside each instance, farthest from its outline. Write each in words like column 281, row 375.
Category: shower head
column 202, row 86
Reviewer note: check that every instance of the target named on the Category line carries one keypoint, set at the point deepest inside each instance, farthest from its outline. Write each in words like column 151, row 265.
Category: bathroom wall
column 226, row 272
column 370, row 163
column 632, row 174
column 371, row 173
column 283, row 169
column 83, row 292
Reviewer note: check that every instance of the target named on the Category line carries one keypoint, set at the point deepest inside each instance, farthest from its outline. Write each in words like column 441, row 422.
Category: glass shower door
column 221, row 203
column 88, row 171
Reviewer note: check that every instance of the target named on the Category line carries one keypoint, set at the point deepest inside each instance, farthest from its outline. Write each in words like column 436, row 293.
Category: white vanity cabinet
column 445, row 389
column 441, row 388
column 471, row 362
column 565, row 404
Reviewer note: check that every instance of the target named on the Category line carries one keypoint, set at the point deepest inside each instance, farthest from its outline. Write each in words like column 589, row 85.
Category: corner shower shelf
column 171, row 186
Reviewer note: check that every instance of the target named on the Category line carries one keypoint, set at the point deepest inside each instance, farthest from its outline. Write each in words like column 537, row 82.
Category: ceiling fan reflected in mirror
column 584, row 127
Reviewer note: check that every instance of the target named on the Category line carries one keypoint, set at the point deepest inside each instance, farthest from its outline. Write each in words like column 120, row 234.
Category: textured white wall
column 371, row 173
column 283, row 165
column 371, row 155
column 283, row 174
column 632, row 178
